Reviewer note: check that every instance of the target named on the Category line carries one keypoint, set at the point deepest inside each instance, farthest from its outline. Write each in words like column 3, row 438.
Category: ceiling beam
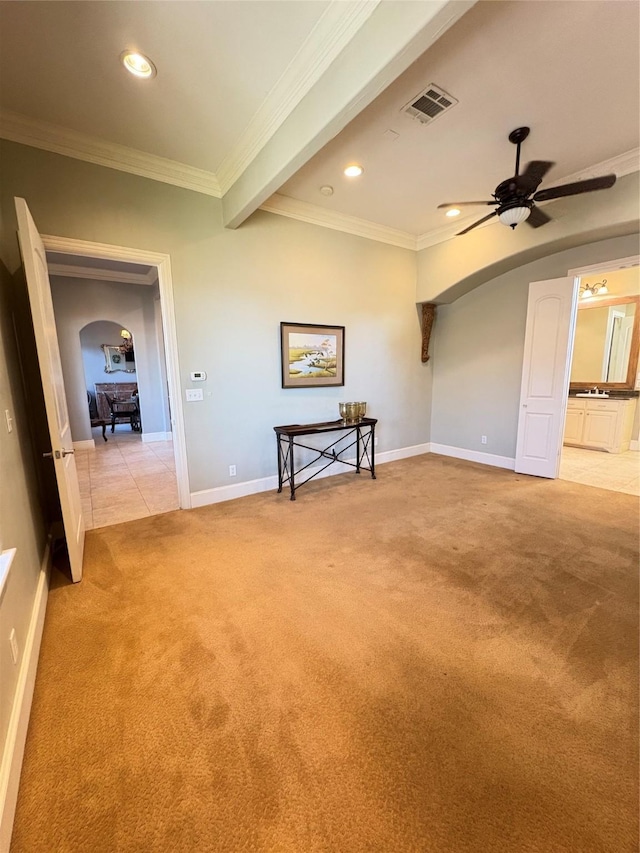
column 386, row 44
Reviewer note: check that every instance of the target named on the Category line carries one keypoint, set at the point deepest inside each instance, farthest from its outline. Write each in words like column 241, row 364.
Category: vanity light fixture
column 353, row 171
column 453, row 212
column 138, row 64
column 597, row 289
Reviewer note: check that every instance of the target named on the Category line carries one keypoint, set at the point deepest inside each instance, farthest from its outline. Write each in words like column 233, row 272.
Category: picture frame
column 116, row 360
column 312, row 355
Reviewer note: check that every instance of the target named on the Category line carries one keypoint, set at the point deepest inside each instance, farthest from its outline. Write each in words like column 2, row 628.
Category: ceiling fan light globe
column 513, row 215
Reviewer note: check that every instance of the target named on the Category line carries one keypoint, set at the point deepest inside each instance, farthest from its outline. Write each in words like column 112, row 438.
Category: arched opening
column 108, row 358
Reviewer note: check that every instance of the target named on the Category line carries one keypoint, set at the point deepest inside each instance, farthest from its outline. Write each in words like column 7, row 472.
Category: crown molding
column 334, row 30
column 103, row 274
column 311, row 213
column 60, row 140
column 621, row 165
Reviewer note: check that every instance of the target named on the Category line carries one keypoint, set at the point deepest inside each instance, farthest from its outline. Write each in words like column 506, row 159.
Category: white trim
column 266, row 484
column 148, row 437
column 620, row 165
column 338, row 24
column 165, row 282
column 315, row 215
column 18, row 721
column 60, row 140
column 474, row 456
column 634, row 445
column 607, row 266
column 86, row 444
column 102, row 274
column 402, row 453
column 277, row 106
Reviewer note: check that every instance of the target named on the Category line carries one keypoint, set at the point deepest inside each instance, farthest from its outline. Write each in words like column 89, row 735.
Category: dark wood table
column 288, row 438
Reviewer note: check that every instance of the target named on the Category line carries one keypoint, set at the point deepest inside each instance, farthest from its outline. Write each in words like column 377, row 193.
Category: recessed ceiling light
column 353, row 171
column 453, row 212
column 138, row 64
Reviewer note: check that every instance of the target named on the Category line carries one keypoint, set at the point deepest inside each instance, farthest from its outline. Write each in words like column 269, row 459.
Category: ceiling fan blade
column 479, row 222
column 537, row 218
column 535, row 172
column 576, row 188
column 465, row 203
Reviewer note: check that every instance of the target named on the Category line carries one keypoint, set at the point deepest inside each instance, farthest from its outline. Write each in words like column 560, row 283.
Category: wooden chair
column 126, row 411
column 94, row 417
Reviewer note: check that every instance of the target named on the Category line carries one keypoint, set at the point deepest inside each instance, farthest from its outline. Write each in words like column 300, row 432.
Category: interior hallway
column 124, row 478
column 617, row 472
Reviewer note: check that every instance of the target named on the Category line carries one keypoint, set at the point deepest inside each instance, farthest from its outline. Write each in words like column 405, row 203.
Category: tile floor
column 619, row 472
column 123, row 479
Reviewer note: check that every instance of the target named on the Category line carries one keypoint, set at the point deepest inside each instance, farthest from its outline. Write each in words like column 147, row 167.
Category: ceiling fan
column 516, row 198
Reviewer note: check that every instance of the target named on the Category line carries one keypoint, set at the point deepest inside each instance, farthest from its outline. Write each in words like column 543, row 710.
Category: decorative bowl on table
column 352, row 413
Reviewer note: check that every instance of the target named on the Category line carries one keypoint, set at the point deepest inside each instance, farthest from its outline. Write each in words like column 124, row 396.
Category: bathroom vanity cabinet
column 599, row 424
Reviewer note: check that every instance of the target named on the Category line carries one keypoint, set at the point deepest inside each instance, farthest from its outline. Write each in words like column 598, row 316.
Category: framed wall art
column 312, row 355
column 117, row 360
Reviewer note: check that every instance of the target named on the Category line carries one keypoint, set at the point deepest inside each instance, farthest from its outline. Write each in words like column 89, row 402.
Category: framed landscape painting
column 312, row 355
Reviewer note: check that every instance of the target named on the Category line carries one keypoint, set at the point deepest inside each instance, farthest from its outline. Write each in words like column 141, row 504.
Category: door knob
column 48, row 455
column 68, row 452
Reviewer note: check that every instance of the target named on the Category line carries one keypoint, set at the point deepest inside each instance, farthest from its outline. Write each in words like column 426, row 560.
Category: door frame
column 162, row 262
column 577, row 273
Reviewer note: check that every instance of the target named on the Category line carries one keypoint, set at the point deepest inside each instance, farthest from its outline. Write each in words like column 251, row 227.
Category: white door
column 551, row 313
column 44, row 324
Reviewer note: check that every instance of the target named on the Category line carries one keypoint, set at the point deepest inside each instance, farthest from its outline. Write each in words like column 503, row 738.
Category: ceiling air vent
column 430, row 104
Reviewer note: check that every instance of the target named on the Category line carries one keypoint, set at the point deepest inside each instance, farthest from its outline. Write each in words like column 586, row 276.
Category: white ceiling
column 217, row 62
column 545, row 65
column 233, row 75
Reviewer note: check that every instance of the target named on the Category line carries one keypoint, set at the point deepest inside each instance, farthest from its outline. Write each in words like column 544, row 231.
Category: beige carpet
column 441, row 661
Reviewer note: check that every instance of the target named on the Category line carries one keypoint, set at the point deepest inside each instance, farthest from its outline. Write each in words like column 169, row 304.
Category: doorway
column 154, row 451
column 600, row 438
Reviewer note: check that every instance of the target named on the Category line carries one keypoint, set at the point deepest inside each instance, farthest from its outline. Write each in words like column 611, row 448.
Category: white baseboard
column 474, row 456
column 634, row 445
column 402, row 453
column 156, row 436
column 88, row 444
column 266, row 484
column 18, row 721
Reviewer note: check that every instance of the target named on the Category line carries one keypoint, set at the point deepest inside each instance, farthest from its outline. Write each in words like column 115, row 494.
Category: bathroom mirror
column 605, row 349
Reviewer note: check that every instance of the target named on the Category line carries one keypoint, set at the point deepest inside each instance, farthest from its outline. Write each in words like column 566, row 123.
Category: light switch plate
column 194, row 394
column 7, row 415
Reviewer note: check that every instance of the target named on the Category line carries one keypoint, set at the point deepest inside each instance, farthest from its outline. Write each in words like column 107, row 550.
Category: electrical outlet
column 7, row 415
column 232, row 470
column 13, row 642
column 483, row 439
column 375, row 442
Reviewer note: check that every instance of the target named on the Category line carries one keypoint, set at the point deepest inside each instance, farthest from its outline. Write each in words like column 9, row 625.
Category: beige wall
column 457, row 266
column 478, row 347
column 232, row 289
column 588, row 346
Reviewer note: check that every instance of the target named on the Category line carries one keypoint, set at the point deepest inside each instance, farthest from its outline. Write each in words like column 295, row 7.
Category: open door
column 44, row 324
column 551, row 314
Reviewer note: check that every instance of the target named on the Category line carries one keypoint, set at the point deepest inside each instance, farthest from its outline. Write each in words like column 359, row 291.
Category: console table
column 288, row 437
